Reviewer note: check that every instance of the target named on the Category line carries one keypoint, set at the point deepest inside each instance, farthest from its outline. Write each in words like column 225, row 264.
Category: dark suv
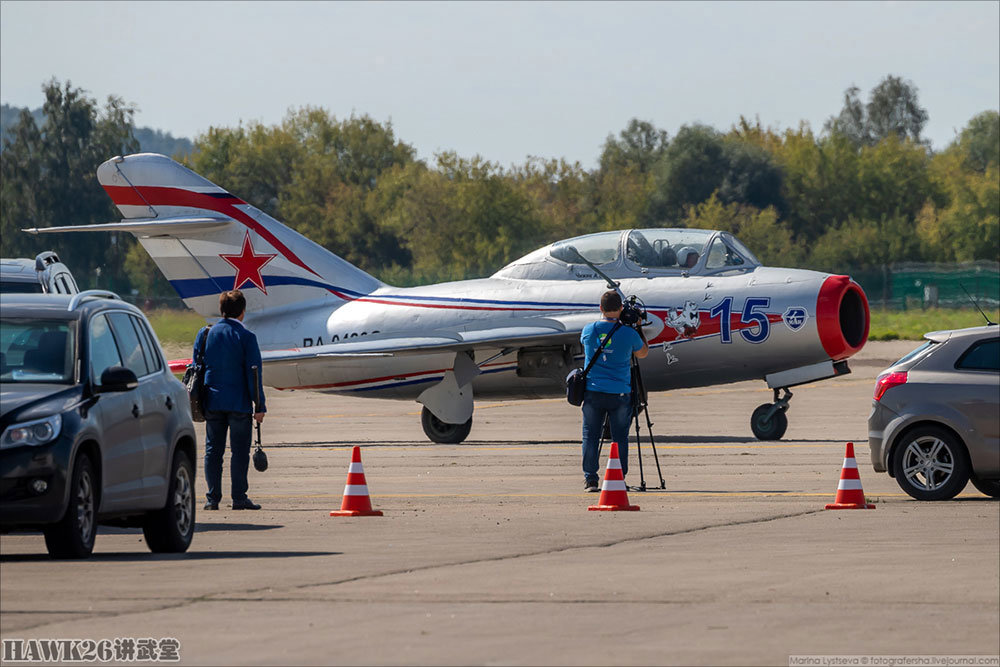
column 44, row 274
column 93, row 426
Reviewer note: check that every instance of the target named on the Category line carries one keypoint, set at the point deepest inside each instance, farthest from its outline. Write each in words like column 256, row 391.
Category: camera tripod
column 640, row 405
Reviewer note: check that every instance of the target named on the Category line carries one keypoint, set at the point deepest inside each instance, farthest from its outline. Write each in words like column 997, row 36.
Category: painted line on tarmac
column 536, row 447
column 639, row 494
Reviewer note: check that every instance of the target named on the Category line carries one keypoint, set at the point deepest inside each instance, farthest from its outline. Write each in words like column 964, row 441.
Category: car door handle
column 135, row 410
column 170, row 403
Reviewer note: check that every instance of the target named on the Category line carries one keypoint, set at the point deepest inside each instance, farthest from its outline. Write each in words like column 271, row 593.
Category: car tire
column 169, row 530
column 73, row 536
column 989, row 487
column 441, row 432
column 930, row 463
column 768, row 428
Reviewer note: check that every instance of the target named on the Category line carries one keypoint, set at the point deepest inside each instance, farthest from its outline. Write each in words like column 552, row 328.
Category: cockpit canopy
column 636, row 253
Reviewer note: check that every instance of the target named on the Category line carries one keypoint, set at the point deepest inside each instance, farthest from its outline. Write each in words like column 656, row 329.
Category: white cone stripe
column 613, row 485
column 356, row 490
column 849, row 485
column 614, row 464
column 356, row 467
column 850, row 463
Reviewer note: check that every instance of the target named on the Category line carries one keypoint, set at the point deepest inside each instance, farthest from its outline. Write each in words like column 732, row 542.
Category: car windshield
column 37, row 350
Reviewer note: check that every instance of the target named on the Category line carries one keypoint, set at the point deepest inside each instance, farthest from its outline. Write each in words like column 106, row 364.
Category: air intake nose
column 842, row 317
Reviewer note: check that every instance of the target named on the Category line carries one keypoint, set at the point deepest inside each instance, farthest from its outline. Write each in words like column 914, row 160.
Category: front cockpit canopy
column 636, row 253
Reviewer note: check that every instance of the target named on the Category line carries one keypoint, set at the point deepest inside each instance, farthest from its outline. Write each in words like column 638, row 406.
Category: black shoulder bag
column 576, row 381
column 194, row 380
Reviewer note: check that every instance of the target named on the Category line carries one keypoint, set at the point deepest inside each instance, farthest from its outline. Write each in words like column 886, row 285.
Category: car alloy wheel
column 85, row 506
column 930, row 463
column 183, row 500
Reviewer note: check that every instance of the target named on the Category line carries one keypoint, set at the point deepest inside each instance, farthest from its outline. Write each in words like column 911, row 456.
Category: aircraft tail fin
column 206, row 240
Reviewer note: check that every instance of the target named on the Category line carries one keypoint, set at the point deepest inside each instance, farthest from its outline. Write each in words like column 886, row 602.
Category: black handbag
column 576, row 381
column 194, row 381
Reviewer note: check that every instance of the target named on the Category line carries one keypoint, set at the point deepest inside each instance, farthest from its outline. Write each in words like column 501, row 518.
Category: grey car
column 935, row 419
column 94, row 428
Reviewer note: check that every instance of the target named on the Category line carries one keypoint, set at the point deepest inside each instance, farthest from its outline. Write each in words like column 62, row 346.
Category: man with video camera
column 609, row 382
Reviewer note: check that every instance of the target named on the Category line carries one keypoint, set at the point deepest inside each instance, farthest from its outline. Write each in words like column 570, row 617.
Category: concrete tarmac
column 487, row 553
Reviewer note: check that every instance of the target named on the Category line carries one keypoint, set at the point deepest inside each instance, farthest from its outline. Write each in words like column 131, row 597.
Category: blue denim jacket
column 230, row 353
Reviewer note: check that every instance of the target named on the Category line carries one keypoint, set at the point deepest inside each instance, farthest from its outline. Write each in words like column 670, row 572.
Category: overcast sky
column 504, row 80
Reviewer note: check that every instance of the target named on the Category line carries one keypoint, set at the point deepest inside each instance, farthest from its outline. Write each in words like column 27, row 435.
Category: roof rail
column 44, row 259
column 90, row 294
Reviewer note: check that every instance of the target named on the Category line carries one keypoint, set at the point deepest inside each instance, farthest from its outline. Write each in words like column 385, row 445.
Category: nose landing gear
column 768, row 421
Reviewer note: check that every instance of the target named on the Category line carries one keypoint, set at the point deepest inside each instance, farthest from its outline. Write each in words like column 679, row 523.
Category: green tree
column 640, row 145
column 48, row 178
column 561, row 194
column 690, row 170
column 463, row 219
column 980, row 141
column 760, row 230
column 315, row 174
column 893, row 109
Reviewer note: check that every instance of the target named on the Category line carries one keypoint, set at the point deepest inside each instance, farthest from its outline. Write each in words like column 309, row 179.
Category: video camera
column 633, row 312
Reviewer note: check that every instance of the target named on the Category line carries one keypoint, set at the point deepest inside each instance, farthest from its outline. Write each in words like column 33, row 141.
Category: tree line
column 864, row 192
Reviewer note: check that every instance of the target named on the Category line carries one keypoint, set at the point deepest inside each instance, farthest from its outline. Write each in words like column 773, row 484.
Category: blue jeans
column 618, row 409
column 238, row 424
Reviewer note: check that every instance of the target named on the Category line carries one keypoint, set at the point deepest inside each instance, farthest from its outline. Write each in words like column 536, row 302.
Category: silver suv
column 935, row 420
column 44, row 274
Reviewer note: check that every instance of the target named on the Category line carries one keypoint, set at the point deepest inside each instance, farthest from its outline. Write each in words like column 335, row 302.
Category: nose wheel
column 769, row 421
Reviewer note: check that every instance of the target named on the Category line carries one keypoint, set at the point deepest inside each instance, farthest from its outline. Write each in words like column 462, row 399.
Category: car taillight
column 887, row 381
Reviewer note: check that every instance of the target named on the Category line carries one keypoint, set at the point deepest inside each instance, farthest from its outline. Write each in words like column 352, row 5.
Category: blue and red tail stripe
column 220, row 202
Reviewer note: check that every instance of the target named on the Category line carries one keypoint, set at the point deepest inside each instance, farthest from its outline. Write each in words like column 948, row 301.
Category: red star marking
column 248, row 266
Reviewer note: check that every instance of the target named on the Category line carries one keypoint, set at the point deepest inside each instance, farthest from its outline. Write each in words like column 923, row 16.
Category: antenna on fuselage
column 611, row 283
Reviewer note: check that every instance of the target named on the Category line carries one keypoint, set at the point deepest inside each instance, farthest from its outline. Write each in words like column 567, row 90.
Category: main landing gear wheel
column 441, row 432
column 769, row 421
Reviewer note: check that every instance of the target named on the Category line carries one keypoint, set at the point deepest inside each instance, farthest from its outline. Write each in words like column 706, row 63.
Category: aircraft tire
column 441, row 432
column 768, row 429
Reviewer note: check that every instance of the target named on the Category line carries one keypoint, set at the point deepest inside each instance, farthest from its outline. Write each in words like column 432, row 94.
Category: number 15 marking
column 753, row 315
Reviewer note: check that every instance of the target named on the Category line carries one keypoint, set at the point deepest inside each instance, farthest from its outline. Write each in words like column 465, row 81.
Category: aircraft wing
column 549, row 330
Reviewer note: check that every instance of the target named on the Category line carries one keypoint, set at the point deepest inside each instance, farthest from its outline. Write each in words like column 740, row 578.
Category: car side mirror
column 117, row 378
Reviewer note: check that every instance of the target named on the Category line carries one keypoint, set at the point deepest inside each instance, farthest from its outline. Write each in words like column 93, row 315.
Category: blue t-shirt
column 612, row 372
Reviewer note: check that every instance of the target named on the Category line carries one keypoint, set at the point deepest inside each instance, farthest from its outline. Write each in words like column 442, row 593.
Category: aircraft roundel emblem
column 795, row 317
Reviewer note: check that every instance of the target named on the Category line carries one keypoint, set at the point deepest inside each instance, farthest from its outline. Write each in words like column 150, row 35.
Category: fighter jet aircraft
column 714, row 313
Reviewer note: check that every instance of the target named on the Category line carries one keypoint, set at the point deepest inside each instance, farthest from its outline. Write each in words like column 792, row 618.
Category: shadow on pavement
column 191, row 555
column 200, row 527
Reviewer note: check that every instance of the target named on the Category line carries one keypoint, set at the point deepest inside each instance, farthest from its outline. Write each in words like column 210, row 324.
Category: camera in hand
column 633, row 312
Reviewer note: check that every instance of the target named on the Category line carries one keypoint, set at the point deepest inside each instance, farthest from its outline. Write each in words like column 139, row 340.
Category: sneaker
column 245, row 504
column 591, row 486
column 211, row 506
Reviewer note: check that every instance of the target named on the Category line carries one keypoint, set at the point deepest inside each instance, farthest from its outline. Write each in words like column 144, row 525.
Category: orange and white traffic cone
column 850, row 495
column 614, row 497
column 356, row 501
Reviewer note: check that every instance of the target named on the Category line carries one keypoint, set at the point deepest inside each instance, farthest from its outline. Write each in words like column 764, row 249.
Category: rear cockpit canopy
column 636, row 253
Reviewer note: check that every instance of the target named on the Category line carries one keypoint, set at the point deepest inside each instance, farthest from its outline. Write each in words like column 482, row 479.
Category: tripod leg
column 605, row 435
column 638, row 447
column 652, row 443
